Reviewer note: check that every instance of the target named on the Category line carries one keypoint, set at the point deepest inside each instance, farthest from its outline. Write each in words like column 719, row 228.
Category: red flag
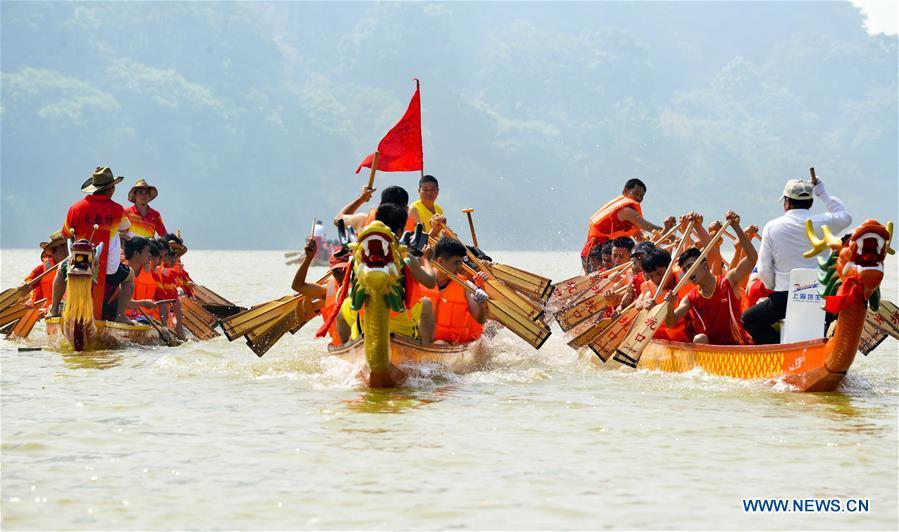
column 400, row 149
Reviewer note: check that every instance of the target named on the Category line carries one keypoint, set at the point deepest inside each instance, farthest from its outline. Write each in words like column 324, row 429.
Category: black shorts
column 113, row 280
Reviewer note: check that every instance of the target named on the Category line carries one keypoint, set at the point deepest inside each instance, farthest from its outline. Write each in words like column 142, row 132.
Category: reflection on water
column 395, row 400
column 93, row 359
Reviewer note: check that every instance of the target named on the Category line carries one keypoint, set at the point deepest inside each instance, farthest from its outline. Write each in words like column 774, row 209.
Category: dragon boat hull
column 461, row 358
column 108, row 334
column 809, row 366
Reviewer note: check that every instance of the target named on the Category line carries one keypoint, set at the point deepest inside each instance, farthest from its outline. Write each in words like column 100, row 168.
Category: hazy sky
column 251, row 117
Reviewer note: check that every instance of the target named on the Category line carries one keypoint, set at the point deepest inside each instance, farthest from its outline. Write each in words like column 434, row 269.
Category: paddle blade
column 872, row 336
column 630, row 349
column 605, row 344
column 25, row 324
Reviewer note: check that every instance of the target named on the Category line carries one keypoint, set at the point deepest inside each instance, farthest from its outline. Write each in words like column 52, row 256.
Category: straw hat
column 56, row 239
column 142, row 183
column 101, row 179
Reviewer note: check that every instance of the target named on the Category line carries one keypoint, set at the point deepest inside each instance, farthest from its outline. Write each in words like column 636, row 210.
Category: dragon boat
column 106, row 335
column 850, row 278
column 458, row 358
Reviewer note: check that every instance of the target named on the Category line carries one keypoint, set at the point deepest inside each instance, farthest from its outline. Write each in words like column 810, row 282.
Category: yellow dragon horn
column 820, row 244
column 890, row 250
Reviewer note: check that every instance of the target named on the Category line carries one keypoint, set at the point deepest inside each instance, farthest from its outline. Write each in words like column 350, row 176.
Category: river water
column 207, row 435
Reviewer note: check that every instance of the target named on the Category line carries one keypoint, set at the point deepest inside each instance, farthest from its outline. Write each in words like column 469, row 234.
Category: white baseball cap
column 798, row 189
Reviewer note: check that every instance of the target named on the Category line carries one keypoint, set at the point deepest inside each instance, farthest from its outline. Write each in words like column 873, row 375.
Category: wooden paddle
column 886, row 317
column 22, row 328
column 575, row 290
column 533, row 333
column 494, row 288
column 12, row 314
column 568, row 291
column 609, row 338
column 199, row 321
column 587, row 331
column 474, row 237
column 570, row 317
column 11, row 296
column 164, row 335
column 632, row 347
column 872, row 336
column 215, row 303
column 259, row 318
column 535, row 286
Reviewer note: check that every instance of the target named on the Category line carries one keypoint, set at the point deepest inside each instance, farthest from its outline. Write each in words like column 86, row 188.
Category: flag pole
column 420, row 131
column 374, row 168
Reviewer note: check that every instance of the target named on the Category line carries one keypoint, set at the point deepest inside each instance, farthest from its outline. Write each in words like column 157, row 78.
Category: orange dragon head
column 856, row 261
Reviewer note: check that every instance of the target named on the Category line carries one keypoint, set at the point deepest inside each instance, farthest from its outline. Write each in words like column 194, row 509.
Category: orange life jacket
column 330, row 303
column 454, row 322
column 145, row 288
column 605, row 225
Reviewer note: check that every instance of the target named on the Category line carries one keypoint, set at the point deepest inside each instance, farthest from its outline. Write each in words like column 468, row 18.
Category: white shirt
column 784, row 239
column 114, row 256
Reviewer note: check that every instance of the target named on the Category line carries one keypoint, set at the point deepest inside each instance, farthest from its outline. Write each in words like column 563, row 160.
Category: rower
column 426, row 207
column 146, row 280
column 358, row 221
column 783, row 242
column 101, row 220
column 714, row 304
column 459, row 314
column 52, row 252
column 168, row 290
column 137, row 256
column 145, row 221
column 622, row 216
column 654, row 264
column 417, row 321
column 314, row 294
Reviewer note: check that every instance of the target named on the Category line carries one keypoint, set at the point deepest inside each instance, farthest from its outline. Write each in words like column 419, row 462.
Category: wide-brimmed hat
column 56, row 239
column 797, row 189
column 142, row 183
column 101, row 179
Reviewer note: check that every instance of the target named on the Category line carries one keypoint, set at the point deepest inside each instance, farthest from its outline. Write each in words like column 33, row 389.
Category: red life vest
column 718, row 316
column 44, row 288
column 605, row 224
column 454, row 322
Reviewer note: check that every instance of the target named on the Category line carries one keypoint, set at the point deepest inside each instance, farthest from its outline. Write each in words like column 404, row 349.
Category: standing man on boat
column 112, row 225
column 145, row 221
column 622, row 216
column 426, row 207
column 783, row 242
